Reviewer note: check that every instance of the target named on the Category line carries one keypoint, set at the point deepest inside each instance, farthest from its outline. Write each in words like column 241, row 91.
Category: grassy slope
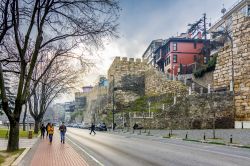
column 22, row 134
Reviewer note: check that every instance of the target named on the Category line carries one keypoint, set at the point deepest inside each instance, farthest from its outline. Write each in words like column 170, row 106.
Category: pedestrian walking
column 42, row 129
column 92, row 129
column 63, row 130
column 46, row 128
column 51, row 132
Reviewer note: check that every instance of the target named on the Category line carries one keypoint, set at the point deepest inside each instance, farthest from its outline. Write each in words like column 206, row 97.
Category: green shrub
column 210, row 67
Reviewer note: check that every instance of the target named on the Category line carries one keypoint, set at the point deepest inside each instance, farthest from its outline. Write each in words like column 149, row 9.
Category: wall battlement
column 126, row 59
column 124, row 65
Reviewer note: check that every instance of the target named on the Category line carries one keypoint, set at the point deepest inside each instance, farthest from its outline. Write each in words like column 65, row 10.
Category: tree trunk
column 24, row 118
column 13, row 142
column 36, row 129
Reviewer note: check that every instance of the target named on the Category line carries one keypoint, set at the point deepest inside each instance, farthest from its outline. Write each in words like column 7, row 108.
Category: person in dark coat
column 47, row 132
column 63, row 130
column 92, row 129
column 135, row 126
column 42, row 128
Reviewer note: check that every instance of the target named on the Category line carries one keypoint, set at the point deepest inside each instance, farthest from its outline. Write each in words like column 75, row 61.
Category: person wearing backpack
column 63, row 130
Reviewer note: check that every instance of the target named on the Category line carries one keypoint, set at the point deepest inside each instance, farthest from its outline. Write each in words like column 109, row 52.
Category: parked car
column 83, row 126
column 137, row 126
column 101, row 127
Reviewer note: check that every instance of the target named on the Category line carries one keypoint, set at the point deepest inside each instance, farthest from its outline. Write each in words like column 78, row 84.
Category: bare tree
column 38, row 27
column 5, row 18
column 59, row 79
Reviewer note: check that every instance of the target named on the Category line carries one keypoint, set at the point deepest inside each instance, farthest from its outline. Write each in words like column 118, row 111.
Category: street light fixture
column 113, row 102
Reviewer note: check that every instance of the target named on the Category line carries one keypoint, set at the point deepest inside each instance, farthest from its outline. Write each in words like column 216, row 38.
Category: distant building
column 177, row 55
column 67, row 117
column 58, row 112
column 69, row 106
column 149, row 53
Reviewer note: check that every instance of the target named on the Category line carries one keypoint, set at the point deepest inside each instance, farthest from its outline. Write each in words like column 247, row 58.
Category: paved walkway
column 56, row 154
column 23, row 143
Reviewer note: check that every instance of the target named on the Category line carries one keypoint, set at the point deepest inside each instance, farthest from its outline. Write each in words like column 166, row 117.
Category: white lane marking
column 92, row 157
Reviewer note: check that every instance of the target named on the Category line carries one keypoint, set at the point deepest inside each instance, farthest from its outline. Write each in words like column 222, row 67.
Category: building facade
column 148, row 55
column 178, row 55
column 225, row 24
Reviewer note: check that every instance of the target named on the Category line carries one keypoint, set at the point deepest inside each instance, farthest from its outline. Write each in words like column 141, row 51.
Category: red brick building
column 179, row 55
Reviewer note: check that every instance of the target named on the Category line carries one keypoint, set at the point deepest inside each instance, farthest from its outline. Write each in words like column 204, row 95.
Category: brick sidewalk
column 56, row 154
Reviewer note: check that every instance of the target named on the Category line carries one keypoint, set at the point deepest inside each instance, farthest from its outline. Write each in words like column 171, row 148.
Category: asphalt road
column 115, row 150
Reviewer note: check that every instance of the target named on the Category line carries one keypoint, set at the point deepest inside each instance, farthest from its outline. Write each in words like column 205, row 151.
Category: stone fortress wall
column 241, row 66
column 94, row 98
column 131, row 75
column 154, row 81
column 126, row 66
column 157, row 84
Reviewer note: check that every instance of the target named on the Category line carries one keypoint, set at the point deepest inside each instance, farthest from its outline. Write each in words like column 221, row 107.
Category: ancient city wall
column 223, row 70
column 128, row 74
column 241, row 66
column 94, row 102
column 157, row 84
column 125, row 66
column 241, row 52
column 193, row 112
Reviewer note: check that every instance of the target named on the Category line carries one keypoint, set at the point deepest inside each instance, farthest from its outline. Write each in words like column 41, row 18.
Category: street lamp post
column 113, row 102
column 149, row 103
column 214, row 118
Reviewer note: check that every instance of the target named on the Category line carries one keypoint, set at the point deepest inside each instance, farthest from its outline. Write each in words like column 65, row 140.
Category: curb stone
column 19, row 159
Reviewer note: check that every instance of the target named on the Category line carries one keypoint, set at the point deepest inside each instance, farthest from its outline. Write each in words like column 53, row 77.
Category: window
column 194, row 45
column 205, row 59
column 165, row 62
column 175, row 58
column 175, row 46
column 168, row 60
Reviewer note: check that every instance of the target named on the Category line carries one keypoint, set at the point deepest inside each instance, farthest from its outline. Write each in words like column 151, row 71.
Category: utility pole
column 149, row 103
column 214, row 118
column 205, row 28
column 205, row 37
column 113, row 102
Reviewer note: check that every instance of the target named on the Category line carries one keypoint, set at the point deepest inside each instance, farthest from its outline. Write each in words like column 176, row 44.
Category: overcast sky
column 142, row 21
